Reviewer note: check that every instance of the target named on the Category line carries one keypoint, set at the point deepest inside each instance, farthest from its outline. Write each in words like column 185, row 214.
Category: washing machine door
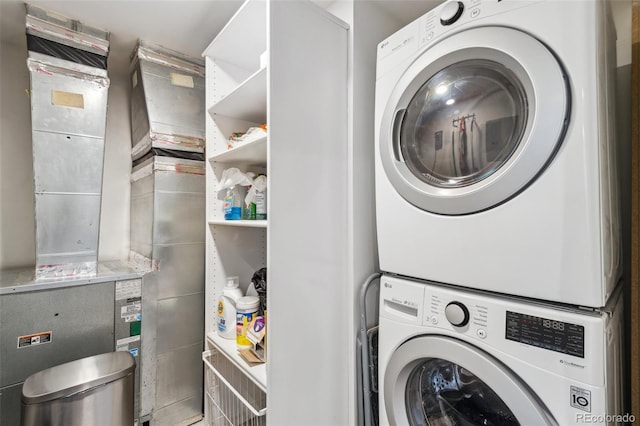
column 474, row 120
column 437, row 380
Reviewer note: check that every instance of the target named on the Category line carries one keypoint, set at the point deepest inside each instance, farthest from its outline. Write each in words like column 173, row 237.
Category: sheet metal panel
column 68, row 119
column 140, row 125
column 62, row 29
column 182, row 270
column 180, row 377
column 10, row 402
column 67, row 227
column 185, row 114
column 149, row 353
column 180, row 322
column 142, row 215
column 186, row 412
column 22, row 280
column 67, row 100
column 67, row 163
column 181, row 182
column 79, row 318
column 179, row 217
column 169, row 198
column 168, row 100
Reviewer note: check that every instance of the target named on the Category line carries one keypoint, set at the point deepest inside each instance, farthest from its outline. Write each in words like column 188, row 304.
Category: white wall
column 17, row 229
column 17, row 235
column 370, row 25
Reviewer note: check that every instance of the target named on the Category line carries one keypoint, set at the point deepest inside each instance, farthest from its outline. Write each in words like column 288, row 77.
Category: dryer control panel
column 448, row 17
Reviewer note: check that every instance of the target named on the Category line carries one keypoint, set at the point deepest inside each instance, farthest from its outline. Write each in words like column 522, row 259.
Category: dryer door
column 474, row 120
column 436, row 380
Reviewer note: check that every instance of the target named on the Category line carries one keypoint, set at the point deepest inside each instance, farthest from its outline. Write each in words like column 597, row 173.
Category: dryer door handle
column 397, row 121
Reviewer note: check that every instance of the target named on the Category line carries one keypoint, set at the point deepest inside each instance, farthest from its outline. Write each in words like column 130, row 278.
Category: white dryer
column 453, row 357
column 495, row 161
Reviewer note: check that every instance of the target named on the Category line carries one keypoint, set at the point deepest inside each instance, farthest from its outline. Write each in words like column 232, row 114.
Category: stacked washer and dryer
column 497, row 216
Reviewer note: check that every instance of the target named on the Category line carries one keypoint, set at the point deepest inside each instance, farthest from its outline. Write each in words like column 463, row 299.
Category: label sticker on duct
column 133, row 351
column 134, row 78
column 128, row 289
column 57, row 16
column 132, row 312
column 182, row 80
column 68, row 99
column 35, row 339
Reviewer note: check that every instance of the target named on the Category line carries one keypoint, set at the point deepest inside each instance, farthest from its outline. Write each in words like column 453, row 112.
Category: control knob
column 457, row 314
column 451, row 12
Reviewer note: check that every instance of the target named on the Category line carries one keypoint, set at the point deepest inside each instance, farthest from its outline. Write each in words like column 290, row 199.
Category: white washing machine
column 454, row 357
column 495, row 161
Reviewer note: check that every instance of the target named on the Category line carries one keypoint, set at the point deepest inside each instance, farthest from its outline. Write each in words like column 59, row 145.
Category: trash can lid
column 76, row 376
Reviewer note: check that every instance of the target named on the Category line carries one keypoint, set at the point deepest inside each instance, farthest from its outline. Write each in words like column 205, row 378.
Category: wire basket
column 233, row 399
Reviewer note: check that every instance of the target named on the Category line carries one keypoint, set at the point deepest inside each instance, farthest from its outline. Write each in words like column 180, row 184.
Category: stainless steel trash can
column 97, row 390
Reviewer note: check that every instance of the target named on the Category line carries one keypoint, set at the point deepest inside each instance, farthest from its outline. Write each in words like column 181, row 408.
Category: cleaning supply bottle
column 247, row 310
column 231, row 293
column 233, row 204
column 249, row 208
column 234, row 182
column 257, row 197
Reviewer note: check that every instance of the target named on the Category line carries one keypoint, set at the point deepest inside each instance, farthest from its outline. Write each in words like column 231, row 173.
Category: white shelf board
column 253, row 153
column 257, row 373
column 240, row 223
column 244, row 38
column 248, row 101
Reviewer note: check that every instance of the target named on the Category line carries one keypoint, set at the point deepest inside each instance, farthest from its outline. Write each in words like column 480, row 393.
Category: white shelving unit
column 253, row 153
column 240, row 223
column 236, row 100
column 247, row 101
column 301, row 94
column 257, row 373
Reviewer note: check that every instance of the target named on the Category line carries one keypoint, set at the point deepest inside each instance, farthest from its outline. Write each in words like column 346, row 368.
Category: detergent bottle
column 227, row 308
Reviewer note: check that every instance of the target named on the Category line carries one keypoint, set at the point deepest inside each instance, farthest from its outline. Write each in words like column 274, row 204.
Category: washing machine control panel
column 562, row 341
column 470, row 316
column 457, row 314
column 463, row 316
column 545, row 333
column 451, row 12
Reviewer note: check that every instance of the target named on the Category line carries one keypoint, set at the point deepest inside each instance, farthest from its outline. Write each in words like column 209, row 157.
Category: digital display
column 545, row 333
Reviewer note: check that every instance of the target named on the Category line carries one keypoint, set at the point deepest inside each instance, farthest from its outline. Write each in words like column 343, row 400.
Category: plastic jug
column 227, row 308
column 247, row 310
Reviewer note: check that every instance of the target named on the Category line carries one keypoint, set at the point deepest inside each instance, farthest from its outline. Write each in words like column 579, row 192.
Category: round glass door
column 464, row 123
column 473, row 121
column 438, row 380
column 442, row 392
